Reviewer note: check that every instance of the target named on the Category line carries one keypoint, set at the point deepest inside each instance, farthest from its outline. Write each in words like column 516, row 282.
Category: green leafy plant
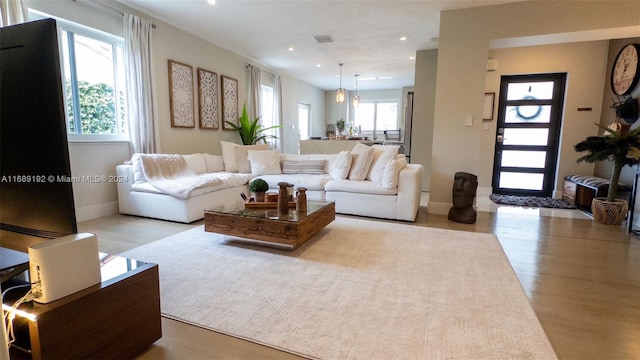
column 258, row 185
column 340, row 125
column 620, row 146
column 250, row 131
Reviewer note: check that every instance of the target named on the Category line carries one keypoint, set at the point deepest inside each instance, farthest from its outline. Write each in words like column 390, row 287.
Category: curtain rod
column 108, row 8
column 261, row 69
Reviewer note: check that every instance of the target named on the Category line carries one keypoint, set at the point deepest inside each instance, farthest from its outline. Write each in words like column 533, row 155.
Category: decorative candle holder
column 283, row 198
column 301, row 200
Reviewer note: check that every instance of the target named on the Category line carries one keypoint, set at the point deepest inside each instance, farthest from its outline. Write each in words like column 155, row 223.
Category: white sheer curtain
column 13, row 12
column 137, row 33
column 277, row 111
column 253, row 103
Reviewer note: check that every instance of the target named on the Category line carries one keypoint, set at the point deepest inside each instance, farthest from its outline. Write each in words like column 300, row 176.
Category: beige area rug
column 359, row 289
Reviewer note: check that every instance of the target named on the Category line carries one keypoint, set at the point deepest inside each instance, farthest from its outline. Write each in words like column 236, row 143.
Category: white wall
column 461, row 76
column 424, row 96
column 585, row 65
column 604, row 168
column 95, row 200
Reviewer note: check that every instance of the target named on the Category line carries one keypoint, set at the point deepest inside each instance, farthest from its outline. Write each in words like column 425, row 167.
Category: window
column 266, row 107
column 371, row 118
column 93, row 74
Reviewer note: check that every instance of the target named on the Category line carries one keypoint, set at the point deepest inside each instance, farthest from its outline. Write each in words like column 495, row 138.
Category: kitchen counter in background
column 331, row 146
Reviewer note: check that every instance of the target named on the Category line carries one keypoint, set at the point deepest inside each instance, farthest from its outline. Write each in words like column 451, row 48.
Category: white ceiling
column 366, row 34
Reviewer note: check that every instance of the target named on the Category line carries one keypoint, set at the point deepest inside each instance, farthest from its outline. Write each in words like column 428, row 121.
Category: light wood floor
column 582, row 279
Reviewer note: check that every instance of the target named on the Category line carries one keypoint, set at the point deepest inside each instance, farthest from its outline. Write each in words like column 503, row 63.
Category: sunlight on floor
column 483, row 203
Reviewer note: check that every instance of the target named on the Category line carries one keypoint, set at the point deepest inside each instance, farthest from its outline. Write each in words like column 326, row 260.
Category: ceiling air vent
column 323, row 39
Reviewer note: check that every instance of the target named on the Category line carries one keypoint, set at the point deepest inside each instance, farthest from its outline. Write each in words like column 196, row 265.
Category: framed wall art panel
column 208, row 99
column 181, row 95
column 229, row 88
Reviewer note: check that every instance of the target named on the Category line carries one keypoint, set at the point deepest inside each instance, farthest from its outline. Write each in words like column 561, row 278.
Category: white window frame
column 66, row 25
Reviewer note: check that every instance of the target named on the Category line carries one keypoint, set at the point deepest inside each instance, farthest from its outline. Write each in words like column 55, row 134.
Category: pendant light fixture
column 356, row 99
column 340, row 91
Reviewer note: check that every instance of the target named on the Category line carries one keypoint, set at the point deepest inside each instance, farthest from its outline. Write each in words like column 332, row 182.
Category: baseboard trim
column 96, row 211
column 439, row 208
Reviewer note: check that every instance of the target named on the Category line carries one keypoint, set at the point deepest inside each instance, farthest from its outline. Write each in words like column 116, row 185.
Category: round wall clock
column 626, row 70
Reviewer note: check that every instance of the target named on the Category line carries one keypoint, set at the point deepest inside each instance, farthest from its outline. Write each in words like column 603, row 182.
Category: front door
column 528, row 132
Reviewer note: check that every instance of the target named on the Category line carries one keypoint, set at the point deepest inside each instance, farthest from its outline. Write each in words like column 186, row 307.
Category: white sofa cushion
column 264, row 162
column 362, row 187
column 311, row 182
column 382, row 154
column 235, row 156
column 196, row 163
column 214, row 163
column 391, row 172
column 362, row 159
column 342, row 165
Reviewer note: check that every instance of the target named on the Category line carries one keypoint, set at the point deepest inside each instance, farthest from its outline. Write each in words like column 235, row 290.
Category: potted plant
column 340, row 125
column 622, row 146
column 250, row 131
column 259, row 187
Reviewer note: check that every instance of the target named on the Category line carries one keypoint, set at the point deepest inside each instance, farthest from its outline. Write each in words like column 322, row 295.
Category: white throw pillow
column 196, row 163
column 341, row 166
column 138, row 174
column 363, row 157
column 392, row 171
column 382, row 154
column 231, row 152
column 214, row 162
column 229, row 156
column 242, row 153
column 264, row 162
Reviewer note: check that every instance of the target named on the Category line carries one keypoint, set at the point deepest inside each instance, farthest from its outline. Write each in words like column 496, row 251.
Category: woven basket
column 609, row 212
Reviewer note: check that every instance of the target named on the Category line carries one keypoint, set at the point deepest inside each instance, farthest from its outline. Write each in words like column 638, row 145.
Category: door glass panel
column 530, row 159
column 528, row 114
column 526, row 181
column 526, row 136
column 530, row 90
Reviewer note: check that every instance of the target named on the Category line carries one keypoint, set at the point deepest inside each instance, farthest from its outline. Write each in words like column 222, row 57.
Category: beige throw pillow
column 242, row 156
column 392, row 171
column 234, row 156
column 264, row 162
column 341, row 166
column 382, row 154
column 362, row 159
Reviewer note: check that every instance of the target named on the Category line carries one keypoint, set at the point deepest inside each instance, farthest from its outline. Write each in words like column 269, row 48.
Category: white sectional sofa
column 387, row 188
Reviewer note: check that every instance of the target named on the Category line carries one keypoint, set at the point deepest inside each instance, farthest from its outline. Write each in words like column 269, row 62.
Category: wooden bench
column 579, row 190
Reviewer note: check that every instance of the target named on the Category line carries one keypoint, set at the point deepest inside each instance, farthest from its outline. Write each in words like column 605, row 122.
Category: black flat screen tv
column 36, row 194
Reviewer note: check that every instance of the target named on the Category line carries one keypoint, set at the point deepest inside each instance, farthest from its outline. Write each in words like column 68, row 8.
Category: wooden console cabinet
column 117, row 319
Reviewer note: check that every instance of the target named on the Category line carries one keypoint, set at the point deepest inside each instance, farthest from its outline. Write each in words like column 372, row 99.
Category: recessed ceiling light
column 403, row 38
column 318, row 65
column 290, row 48
column 412, row 57
column 212, row 2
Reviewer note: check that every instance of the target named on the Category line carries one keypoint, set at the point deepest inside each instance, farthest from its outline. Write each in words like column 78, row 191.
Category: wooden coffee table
column 269, row 227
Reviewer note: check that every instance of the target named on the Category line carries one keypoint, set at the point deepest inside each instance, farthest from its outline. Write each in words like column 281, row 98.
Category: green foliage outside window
column 97, row 109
